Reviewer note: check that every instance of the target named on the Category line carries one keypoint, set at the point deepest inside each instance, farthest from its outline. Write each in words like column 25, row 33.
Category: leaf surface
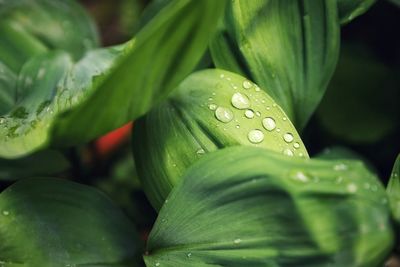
column 247, row 206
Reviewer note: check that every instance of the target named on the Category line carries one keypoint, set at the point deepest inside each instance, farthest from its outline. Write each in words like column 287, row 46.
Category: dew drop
column 288, row 152
column 257, row 88
column 6, row 212
column 157, row 264
column 255, row 136
column 301, row 176
column 200, row 151
column 269, row 123
column 288, row 137
column 212, row 106
column 352, row 188
column 240, row 101
column 249, row 114
column 284, row 118
column 222, row 76
column 258, row 113
column 237, row 126
column 224, row 115
column 189, row 255
column 237, row 241
column 296, row 145
column 247, row 84
column 340, row 167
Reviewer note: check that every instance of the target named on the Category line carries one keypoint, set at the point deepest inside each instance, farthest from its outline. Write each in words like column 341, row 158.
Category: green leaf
column 51, row 222
column 350, row 9
column 289, row 48
column 63, row 102
column 31, row 27
column 209, row 110
column 393, row 190
column 251, row 207
column 351, row 109
column 42, row 163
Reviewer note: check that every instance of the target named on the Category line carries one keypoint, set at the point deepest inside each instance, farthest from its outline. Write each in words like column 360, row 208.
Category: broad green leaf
column 393, row 190
column 289, row 48
column 251, row 207
column 63, row 102
column 42, row 163
column 31, row 27
column 350, row 9
column 211, row 109
column 8, row 80
column 351, row 108
column 51, row 222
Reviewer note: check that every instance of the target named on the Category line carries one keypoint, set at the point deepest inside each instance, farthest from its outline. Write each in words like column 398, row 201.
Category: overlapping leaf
column 289, row 48
column 63, row 102
column 51, row 222
column 209, row 110
column 247, row 206
column 393, row 190
column 350, row 9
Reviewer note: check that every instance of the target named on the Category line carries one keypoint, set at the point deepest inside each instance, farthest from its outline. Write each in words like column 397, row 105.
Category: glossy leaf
column 42, row 163
column 251, row 207
column 289, row 48
column 51, row 222
column 65, row 102
column 393, row 190
column 350, row 9
column 209, row 110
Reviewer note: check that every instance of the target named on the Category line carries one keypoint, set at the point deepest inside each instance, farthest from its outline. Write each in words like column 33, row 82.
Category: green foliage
column 62, row 102
column 209, row 110
column 271, row 210
column 289, row 48
column 350, row 9
column 393, row 190
column 51, row 222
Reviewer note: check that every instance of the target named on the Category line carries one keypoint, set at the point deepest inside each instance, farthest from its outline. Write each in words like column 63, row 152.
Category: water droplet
column 212, row 106
column 288, row 152
column 222, row 76
column 352, row 188
column 2, row 120
column 269, row 123
column 255, row 136
column 258, row 113
column 6, row 212
column 284, row 118
column 296, row 145
column 288, row 137
column 189, row 255
column 249, row 114
column 257, row 88
column 278, row 130
column 340, row 167
column 301, row 176
column 210, row 99
column 240, row 101
column 237, row 241
column 237, row 126
column 200, row 151
column 157, row 264
column 224, row 115
column 247, row 84
column 274, row 105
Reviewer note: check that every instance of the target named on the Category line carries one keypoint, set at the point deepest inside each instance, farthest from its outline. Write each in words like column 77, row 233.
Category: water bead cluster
column 241, row 101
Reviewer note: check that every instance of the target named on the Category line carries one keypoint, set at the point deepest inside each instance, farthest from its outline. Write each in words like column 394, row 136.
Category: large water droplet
column 288, row 152
column 247, row 84
column 6, row 212
column 288, row 137
column 269, row 123
column 249, row 114
column 255, row 136
column 240, row 101
column 224, row 115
